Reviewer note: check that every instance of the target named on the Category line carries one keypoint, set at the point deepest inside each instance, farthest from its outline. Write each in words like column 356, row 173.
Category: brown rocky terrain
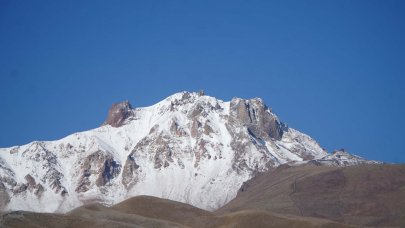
column 146, row 211
column 363, row 195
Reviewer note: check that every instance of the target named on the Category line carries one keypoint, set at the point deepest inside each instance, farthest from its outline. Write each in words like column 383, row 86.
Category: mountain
column 190, row 148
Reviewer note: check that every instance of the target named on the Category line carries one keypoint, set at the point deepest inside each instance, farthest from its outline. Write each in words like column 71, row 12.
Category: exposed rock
column 47, row 160
column 53, row 178
column 8, row 181
column 30, row 181
column 200, row 151
column 257, row 117
column 175, row 129
column 198, row 110
column 129, row 173
column 243, row 143
column 162, row 151
column 4, row 196
column 7, row 176
column 202, row 108
column 102, row 166
column 158, row 161
column 195, row 128
column 186, row 98
column 14, row 150
column 109, row 170
column 20, row 188
column 207, row 128
column 159, row 149
column 119, row 113
column 342, row 158
column 154, row 129
column 32, row 186
column 39, row 190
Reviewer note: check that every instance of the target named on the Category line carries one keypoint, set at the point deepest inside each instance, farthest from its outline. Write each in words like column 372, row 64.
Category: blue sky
column 332, row 69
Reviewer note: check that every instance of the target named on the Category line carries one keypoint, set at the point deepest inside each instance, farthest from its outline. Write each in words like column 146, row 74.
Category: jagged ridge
column 189, row 147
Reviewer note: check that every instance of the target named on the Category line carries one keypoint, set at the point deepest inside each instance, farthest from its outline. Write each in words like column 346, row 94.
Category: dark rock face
column 100, row 164
column 195, row 127
column 20, row 188
column 259, row 119
column 4, row 197
column 37, row 188
column 40, row 189
column 54, row 179
column 129, row 172
column 118, row 113
column 109, row 170
column 30, row 180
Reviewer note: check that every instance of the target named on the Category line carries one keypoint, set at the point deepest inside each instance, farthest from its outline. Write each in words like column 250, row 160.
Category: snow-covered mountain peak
column 189, row 147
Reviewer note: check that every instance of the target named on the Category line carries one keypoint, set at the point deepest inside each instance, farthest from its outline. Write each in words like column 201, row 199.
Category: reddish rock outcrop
column 119, row 113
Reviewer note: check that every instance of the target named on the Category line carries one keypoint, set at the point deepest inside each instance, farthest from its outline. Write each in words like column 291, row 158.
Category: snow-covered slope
column 189, row 147
column 342, row 158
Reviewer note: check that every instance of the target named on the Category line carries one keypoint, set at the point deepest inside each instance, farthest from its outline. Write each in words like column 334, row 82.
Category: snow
column 209, row 185
column 342, row 158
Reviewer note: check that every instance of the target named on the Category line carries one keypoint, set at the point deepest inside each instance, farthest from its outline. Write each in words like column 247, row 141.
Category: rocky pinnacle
column 119, row 113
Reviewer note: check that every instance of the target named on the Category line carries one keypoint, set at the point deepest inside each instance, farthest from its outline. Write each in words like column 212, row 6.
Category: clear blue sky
column 332, row 69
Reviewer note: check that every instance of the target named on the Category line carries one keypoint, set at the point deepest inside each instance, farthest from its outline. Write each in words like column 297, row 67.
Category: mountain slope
column 189, row 147
column 146, row 211
column 363, row 195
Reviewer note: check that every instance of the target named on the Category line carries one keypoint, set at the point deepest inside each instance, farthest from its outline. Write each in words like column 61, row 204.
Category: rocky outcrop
column 34, row 187
column 341, row 158
column 47, row 160
column 130, row 172
column 177, row 130
column 4, row 196
column 30, row 181
column 259, row 119
column 109, row 170
column 54, row 180
column 6, row 174
column 252, row 125
column 119, row 113
column 195, row 128
column 243, row 144
column 101, row 165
